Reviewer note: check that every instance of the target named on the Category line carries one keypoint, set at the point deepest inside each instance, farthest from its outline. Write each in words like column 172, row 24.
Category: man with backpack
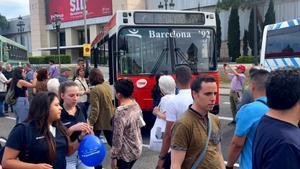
column 247, row 119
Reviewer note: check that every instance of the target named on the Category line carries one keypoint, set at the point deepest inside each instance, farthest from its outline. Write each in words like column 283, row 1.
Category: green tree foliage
column 64, row 59
column 227, row 4
column 251, row 33
column 3, row 22
column 234, row 34
column 270, row 15
column 218, row 35
column 245, row 43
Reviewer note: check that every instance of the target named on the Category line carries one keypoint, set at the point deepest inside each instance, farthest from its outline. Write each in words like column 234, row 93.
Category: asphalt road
column 149, row 158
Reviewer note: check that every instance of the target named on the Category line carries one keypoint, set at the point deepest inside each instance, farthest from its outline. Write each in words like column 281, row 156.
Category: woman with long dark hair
column 41, row 142
column 19, row 85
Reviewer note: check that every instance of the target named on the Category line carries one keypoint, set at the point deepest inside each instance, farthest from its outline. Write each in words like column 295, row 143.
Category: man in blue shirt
column 247, row 119
column 276, row 142
column 29, row 78
column 29, row 72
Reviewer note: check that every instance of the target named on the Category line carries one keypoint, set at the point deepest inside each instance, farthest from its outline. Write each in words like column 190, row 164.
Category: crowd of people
column 265, row 116
column 58, row 111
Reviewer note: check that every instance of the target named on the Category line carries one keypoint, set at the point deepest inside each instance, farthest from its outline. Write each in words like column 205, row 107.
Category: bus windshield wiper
column 181, row 55
column 159, row 60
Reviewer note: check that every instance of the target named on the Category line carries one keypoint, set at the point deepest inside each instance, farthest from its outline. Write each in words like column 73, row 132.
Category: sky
column 14, row 8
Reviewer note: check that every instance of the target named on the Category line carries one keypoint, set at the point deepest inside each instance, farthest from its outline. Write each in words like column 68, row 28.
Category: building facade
column 72, row 32
column 19, row 30
column 40, row 36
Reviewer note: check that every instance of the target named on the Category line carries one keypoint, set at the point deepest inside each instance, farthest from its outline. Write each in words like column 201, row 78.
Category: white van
column 281, row 45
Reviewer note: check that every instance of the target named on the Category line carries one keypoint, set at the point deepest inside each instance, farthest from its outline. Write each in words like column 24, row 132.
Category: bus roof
column 165, row 11
column 11, row 42
column 284, row 24
column 126, row 14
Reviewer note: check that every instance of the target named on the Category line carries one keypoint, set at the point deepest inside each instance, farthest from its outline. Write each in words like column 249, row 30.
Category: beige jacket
column 102, row 108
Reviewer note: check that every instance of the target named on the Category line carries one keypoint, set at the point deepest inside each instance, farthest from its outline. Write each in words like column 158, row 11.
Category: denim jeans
column 73, row 162
column 21, row 109
column 2, row 98
column 1, row 108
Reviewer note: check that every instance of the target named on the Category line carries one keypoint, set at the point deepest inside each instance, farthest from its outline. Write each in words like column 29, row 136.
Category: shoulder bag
column 202, row 155
column 10, row 96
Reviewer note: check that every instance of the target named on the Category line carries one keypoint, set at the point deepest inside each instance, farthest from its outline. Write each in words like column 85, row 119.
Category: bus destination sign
column 170, row 18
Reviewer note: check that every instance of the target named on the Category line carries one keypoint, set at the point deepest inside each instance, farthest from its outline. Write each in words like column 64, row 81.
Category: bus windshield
column 157, row 50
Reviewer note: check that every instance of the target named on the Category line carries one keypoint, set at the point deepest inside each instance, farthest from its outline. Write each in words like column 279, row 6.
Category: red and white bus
column 144, row 43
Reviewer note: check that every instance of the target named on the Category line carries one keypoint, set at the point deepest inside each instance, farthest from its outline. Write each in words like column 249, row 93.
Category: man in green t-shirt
column 189, row 133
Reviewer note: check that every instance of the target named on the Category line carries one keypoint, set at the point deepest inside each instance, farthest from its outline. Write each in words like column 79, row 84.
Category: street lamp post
column 21, row 25
column 85, row 33
column 171, row 5
column 56, row 22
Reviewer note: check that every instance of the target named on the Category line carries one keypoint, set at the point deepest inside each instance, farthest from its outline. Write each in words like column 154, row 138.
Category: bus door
column 112, row 55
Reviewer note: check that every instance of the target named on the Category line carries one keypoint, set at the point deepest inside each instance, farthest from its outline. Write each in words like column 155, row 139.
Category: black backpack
column 28, row 140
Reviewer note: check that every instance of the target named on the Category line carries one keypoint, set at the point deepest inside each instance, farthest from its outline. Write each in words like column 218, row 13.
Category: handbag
column 88, row 95
column 157, row 134
column 201, row 156
column 10, row 96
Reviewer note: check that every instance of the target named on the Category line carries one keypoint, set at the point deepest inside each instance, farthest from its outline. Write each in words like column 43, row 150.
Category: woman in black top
column 42, row 141
column 20, row 86
column 73, row 118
